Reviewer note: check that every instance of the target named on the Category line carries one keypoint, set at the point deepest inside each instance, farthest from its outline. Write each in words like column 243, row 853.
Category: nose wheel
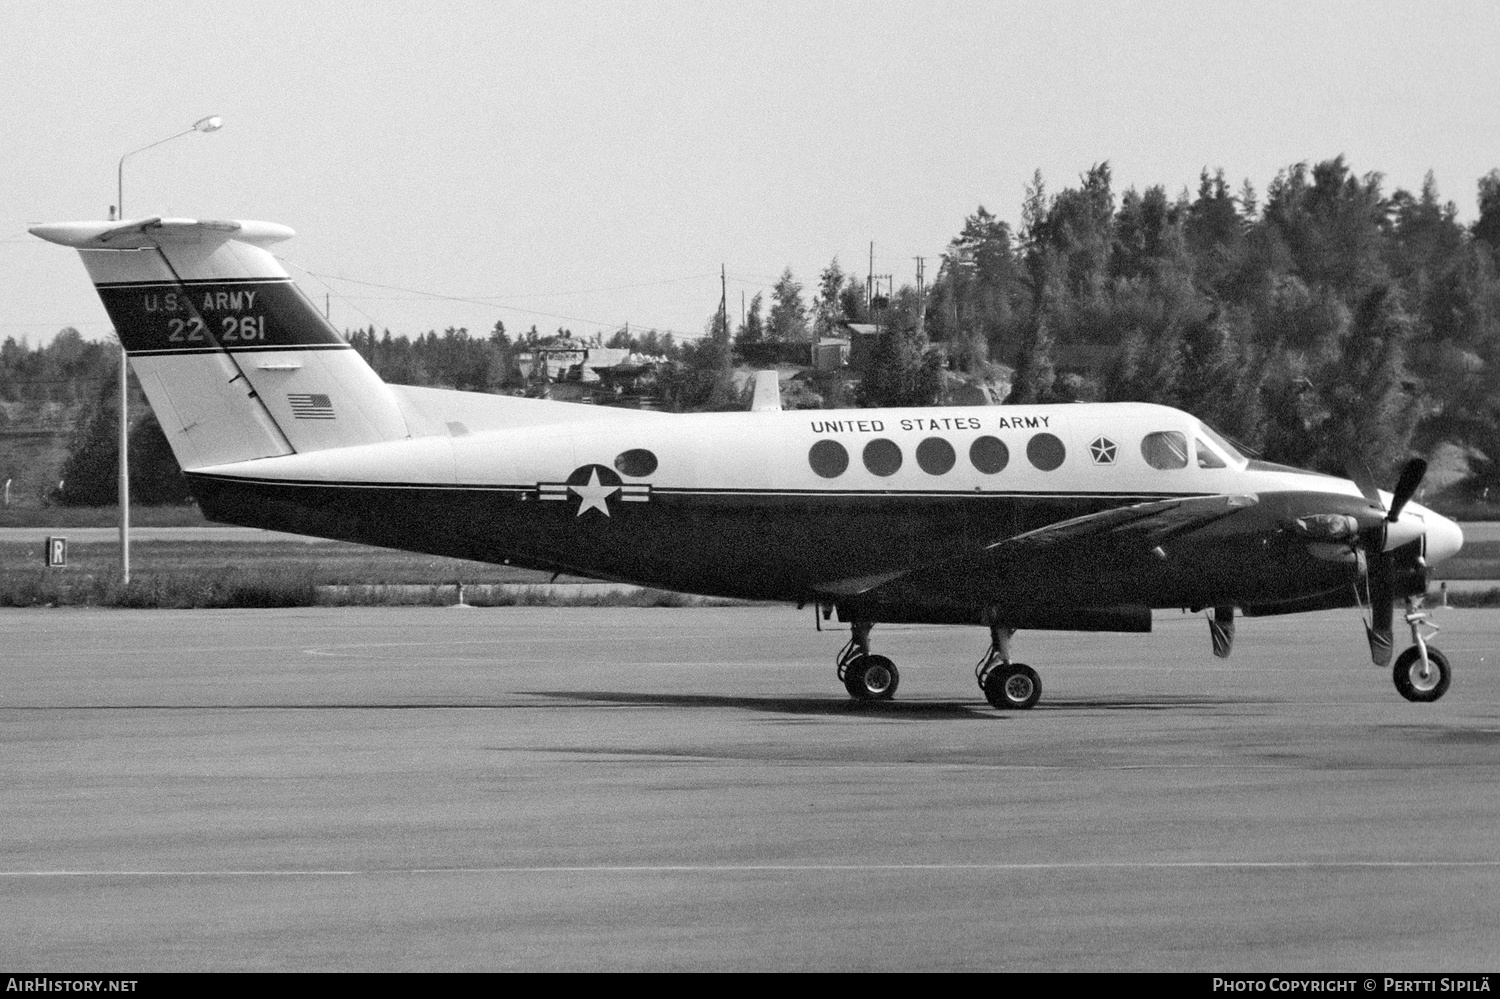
column 1421, row 681
column 1421, row 673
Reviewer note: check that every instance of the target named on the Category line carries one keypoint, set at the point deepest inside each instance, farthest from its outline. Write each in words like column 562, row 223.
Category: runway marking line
column 780, row 868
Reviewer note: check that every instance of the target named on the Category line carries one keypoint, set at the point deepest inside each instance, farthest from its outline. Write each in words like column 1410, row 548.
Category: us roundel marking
column 1103, row 450
column 593, row 494
column 594, row 486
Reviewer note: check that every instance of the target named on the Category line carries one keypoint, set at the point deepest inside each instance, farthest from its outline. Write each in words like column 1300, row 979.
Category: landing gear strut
column 1421, row 672
column 867, row 677
column 1006, row 684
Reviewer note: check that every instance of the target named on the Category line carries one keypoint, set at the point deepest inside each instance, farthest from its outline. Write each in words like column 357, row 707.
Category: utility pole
column 724, row 299
column 921, row 297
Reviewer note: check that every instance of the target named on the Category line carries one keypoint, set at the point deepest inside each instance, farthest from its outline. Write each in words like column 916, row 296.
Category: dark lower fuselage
column 809, row 547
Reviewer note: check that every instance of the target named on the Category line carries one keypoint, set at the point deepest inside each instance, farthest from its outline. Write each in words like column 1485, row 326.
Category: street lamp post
column 210, row 124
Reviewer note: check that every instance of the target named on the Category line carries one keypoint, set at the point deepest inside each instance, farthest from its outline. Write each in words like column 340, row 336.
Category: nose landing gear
column 1421, row 673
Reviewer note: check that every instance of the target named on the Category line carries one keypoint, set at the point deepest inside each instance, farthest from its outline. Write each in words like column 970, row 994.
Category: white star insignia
column 594, row 494
column 1103, row 451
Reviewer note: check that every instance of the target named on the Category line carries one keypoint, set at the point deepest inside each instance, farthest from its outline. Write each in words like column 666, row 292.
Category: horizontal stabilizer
column 143, row 233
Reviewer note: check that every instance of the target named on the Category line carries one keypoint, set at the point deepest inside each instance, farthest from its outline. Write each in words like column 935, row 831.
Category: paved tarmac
column 542, row 788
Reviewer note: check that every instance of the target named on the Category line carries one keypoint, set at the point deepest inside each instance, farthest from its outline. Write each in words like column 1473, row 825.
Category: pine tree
column 752, row 331
column 704, row 380
column 787, row 322
column 828, row 311
column 90, row 472
column 901, row 369
column 1487, row 226
column 1370, row 398
column 1036, row 375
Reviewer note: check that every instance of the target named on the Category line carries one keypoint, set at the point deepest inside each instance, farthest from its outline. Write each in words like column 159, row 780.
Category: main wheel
column 1414, row 686
column 871, row 678
column 1012, row 685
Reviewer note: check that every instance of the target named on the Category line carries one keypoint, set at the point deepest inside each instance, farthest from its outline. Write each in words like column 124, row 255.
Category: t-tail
column 236, row 362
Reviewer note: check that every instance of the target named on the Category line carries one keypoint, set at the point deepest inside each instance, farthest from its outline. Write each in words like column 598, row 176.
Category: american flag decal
column 310, row 406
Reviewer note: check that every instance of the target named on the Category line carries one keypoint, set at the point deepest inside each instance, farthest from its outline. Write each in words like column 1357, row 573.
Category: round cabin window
column 989, row 455
column 828, row 459
column 1046, row 452
column 636, row 462
column 882, row 456
column 935, row 456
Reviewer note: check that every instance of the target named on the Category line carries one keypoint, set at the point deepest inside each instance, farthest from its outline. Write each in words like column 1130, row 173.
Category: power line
column 487, row 302
column 58, row 325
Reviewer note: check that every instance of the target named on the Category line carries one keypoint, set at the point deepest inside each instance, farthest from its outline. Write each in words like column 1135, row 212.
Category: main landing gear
column 867, row 677
column 1006, row 684
column 1421, row 672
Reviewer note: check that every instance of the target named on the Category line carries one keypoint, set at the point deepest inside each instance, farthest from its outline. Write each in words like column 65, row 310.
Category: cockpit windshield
column 1230, row 451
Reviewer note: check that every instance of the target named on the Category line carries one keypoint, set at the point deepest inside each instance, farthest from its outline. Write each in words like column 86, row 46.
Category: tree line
column 1326, row 320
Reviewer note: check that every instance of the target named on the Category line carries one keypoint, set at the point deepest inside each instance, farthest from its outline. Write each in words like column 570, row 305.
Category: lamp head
column 210, row 124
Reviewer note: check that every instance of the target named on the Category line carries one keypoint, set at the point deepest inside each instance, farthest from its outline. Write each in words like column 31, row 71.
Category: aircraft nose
column 1444, row 537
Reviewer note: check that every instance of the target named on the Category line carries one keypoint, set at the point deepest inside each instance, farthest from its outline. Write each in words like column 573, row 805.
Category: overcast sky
column 589, row 164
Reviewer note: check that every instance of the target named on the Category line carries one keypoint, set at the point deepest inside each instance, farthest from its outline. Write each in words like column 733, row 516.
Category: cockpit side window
column 1225, row 448
column 1165, row 449
column 1207, row 458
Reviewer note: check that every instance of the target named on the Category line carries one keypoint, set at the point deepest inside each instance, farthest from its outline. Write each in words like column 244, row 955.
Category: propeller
column 1378, row 544
column 1406, row 487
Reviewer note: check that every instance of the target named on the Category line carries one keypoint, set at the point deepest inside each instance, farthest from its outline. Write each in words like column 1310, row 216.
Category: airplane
column 1081, row 517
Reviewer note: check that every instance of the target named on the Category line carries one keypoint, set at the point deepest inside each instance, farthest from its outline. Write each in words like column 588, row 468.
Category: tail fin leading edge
column 234, row 359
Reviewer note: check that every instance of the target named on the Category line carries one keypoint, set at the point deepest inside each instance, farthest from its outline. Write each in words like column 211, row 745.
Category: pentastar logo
column 595, row 486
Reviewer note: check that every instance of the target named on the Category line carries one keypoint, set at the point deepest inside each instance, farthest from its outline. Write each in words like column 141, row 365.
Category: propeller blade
column 1411, row 478
column 1221, row 631
column 1382, row 586
column 1360, row 474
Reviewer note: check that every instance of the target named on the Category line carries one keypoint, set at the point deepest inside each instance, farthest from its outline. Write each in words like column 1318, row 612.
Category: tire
column 1012, row 686
column 871, row 678
column 1408, row 675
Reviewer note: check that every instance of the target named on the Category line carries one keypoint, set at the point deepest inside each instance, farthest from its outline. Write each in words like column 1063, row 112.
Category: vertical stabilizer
column 234, row 359
column 767, row 397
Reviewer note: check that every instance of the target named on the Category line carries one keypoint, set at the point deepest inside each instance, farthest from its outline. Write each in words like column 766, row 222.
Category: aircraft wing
column 1147, row 522
column 1101, row 557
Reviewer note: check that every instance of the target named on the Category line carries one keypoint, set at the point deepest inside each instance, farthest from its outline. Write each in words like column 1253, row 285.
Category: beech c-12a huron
column 1081, row 517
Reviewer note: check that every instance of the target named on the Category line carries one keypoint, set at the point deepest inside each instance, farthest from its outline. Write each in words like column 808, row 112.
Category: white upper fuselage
column 470, row 439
